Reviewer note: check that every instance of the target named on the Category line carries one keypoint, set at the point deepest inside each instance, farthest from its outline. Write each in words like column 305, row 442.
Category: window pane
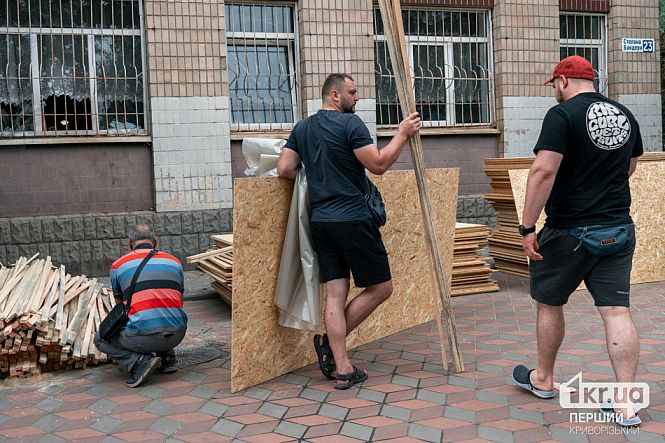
column 388, row 112
column 260, row 84
column 589, row 53
column 472, row 83
column 64, row 82
column 15, row 90
column 378, row 22
column 429, row 82
column 119, row 83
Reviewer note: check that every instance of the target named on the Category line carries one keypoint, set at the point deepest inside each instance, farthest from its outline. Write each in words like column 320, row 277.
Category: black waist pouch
column 601, row 240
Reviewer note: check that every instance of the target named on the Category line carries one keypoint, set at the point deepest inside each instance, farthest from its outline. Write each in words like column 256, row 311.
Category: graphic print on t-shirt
column 608, row 127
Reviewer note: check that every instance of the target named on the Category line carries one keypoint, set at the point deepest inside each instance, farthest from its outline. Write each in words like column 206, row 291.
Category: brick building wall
column 634, row 78
column 182, row 174
column 526, row 49
column 337, row 36
column 189, row 101
column 74, row 179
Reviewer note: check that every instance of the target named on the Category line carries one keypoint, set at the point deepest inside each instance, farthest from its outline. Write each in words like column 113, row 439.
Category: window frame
column 38, row 132
column 448, row 43
column 271, row 39
column 599, row 43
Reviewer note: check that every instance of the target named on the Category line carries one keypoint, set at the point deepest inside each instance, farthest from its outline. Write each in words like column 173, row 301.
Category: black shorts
column 351, row 246
column 562, row 270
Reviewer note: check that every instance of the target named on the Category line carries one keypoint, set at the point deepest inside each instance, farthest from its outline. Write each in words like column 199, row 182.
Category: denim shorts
column 564, row 266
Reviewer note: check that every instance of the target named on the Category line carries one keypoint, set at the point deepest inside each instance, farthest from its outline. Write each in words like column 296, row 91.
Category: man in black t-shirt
column 343, row 234
column 587, row 150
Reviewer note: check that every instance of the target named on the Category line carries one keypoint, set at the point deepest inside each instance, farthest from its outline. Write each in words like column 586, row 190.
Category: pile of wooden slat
column 471, row 274
column 218, row 264
column 505, row 243
column 48, row 318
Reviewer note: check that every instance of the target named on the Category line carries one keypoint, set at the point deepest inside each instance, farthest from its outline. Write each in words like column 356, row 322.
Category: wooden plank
column 211, row 253
column 391, row 14
column 260, row 211
column 74, row 328
column 61, row 300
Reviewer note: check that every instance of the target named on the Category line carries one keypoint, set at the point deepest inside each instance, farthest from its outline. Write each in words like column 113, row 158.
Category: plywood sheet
column 647, row 186
column 261, row 349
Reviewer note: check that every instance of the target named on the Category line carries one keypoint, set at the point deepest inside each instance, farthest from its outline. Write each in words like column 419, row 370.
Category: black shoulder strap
column 132, row 286
column 332, row 159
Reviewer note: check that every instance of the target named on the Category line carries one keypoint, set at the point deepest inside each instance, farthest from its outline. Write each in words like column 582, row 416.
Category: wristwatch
column 524, row 231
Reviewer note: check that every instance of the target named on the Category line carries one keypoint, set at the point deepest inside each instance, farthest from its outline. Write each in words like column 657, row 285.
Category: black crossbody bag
column 372, row 197
column 118, row 317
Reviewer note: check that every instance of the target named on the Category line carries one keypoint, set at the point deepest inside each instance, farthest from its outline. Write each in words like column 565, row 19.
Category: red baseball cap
column 573, row 67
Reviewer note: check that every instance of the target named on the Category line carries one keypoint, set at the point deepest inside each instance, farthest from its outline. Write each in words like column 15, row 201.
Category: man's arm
column 115, row 286
column 633, row 166
column 288, row 163
column 538, row 187
column 379, row 161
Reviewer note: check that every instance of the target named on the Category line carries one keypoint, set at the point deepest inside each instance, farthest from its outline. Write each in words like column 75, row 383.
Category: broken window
column 71, row 67
column 450, row 60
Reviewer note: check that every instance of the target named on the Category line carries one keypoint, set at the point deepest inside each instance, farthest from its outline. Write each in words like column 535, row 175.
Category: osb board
column 647, row 187
column 260, row 348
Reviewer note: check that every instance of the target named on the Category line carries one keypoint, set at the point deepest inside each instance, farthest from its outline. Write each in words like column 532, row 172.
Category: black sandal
column 357, row 376
column 325, row 356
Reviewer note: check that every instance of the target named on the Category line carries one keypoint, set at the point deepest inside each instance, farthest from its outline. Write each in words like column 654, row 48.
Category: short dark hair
column 142, row 231
column 334, row 81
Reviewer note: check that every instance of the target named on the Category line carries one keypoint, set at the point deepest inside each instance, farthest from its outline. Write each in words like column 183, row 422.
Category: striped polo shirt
column 157, row 300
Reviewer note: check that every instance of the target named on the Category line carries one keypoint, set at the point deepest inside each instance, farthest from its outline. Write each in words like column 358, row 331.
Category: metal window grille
column 450, row 60
column 584, row 35
column 261, row 42
column 71, row 68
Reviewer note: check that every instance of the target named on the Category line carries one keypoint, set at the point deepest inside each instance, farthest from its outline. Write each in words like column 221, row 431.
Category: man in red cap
column 587, row 150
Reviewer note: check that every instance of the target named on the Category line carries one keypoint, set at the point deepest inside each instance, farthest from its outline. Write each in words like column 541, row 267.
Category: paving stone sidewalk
column 408, row 396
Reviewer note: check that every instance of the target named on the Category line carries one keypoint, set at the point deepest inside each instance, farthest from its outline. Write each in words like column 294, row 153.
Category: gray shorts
column 562, row 270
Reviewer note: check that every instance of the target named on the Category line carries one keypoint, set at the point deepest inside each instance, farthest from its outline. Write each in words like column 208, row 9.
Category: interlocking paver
column 291, row 429
column 408, row 397
column 423, row 432
column 353, row 430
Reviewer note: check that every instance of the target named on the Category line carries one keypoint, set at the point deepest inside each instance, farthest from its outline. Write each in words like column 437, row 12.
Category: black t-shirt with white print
column 597, row 137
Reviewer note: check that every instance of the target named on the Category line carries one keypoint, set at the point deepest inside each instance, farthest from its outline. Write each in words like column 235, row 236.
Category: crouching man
column 157, row 322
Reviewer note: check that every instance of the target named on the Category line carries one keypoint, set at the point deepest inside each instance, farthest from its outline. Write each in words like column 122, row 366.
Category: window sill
column 239, row 135
column 75, row 140
column 424, row 132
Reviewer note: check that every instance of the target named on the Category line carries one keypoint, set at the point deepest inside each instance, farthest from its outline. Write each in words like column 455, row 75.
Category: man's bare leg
column 622, row 344
column 365, row 303
column 341, row 319
column 551, row 328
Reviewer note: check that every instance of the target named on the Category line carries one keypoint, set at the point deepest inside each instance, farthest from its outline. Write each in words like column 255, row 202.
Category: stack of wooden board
column 218, row 264
column 48, row 318
column 471, row 274
column 505, row 243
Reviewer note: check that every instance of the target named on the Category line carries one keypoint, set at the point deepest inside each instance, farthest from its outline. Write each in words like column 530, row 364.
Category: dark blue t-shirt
column 333, row 198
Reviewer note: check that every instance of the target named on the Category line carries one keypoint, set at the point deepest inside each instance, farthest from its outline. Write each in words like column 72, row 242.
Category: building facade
column 118, row 111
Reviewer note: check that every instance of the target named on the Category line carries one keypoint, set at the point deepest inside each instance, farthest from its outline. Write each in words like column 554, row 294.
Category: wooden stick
column 212, row 253
column 74, row 328
column 46, row 309
column 61, row 301
column 392, row 19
